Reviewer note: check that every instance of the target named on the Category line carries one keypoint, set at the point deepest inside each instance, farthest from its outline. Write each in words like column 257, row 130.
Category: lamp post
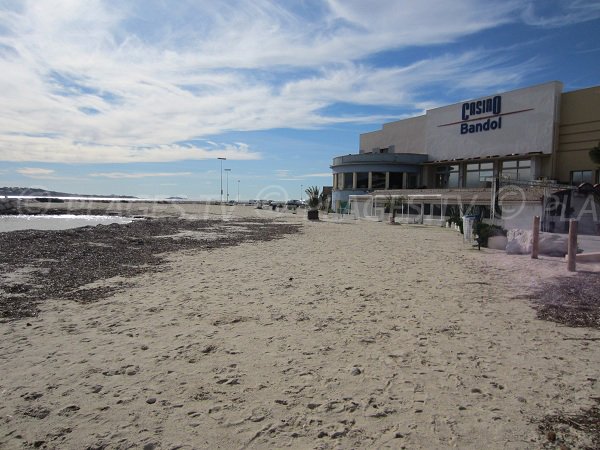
column 227, row 183
column 221, row 159
column 301, row 192
column 238, row 197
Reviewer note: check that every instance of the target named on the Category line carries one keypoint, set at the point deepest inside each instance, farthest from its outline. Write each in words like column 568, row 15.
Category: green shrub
column 485, row 231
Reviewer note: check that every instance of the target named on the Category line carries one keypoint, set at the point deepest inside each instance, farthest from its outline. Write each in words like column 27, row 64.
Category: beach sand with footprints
column 335, row 335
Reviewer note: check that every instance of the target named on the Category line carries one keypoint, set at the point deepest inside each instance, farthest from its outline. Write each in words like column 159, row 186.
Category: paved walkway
column 589, row 243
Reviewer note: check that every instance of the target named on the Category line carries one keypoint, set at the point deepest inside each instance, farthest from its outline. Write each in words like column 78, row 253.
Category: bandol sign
column 485, row 113
column 482, row 115
column 503, row 123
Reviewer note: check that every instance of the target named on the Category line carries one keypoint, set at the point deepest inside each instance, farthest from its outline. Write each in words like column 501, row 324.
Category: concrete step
column 587, row 257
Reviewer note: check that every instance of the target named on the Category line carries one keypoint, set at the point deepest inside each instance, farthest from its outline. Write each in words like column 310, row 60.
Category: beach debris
column 63, row 264
column 571, row 300
column 355, row 371
column 151, row 400
column 573, row 430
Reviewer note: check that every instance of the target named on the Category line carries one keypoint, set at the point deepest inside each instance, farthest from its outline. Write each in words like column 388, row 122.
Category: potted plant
column 455, row 218
column 312, row 202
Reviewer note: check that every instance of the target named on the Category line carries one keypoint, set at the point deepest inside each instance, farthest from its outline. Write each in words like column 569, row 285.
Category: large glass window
column 378, row 180
column 348, row 180
column 479, row 174
column 581, row 176
column 396, row 180
column 411, row 181
column 362, row 180
column 518, row 170
column 446, row 177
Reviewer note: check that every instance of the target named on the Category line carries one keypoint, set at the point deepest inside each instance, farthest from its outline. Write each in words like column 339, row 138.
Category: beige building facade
column 538, row 134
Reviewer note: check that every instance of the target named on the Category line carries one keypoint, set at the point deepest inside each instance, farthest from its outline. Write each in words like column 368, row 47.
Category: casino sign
column 482, row 115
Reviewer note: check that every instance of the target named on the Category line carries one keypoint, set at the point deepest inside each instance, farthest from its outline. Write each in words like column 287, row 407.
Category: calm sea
column 58, row 222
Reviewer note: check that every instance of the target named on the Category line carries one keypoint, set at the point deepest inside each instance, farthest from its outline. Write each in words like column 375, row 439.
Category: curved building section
column 367, row 172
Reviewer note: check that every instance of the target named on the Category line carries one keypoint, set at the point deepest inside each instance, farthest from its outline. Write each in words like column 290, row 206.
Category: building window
column 446, row 177
column 378, row 180
column 582, row 176
column 519, row 170
column 396, row 180
column 411, row 181
column 479, row 175
column 362, row 180
column 348, row 180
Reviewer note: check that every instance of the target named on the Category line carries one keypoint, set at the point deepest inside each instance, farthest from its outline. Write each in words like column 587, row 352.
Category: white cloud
column 130, row 81
column 26, row 148
column 285, row 175
column 39, row 173
column 34, row 171
column 558, row 13
column 317, row 175
column 118, row 175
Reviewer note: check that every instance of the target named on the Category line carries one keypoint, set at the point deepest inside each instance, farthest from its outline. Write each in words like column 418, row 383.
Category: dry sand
column 346, row 335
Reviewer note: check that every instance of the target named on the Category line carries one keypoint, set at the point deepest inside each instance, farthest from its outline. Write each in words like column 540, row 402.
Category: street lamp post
column 238, row 197
column 301, row 192
column 222, row 159
column 227, row 183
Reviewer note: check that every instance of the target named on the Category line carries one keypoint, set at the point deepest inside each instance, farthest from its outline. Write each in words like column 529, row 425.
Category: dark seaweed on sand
column 562, row 430
column 575, row 302
column 572, row 301
column 59, row 264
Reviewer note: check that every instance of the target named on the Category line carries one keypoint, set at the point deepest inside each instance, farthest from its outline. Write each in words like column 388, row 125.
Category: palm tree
column 324, row 202
column 390, row 204
column 312, row 202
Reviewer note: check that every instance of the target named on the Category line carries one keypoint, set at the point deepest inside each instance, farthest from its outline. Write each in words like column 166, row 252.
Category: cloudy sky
column 141, row 97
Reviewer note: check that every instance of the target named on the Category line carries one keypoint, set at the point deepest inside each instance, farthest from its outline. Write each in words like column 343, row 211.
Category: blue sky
column 141, row 97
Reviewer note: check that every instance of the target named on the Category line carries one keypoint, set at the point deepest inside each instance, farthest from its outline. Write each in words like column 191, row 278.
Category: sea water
column 56, row 222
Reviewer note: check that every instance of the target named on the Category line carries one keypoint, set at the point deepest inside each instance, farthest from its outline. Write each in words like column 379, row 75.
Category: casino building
column 537, row 137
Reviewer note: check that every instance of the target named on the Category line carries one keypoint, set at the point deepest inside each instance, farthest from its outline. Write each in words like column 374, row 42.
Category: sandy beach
column 342, row 335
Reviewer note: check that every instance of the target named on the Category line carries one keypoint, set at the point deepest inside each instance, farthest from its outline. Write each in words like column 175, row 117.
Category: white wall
column 531, row 130
column 520, row 215
column 407, row 136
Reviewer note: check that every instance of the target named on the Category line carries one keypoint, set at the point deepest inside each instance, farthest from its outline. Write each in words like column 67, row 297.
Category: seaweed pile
column 572, row 301
column 567, row 430
column 59, row 264
column 575, row 302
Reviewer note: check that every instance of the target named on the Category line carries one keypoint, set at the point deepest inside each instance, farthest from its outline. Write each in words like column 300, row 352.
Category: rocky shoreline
column 76, row 264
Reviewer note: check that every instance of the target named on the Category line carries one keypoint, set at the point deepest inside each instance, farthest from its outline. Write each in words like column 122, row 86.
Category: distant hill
column 35, row 192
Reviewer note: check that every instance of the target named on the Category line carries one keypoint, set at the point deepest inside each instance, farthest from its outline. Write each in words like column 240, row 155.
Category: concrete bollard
column 572, row 253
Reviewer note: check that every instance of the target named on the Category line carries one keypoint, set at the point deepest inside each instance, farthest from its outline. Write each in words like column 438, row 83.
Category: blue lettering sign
column 487, row 125
column 491, row 105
